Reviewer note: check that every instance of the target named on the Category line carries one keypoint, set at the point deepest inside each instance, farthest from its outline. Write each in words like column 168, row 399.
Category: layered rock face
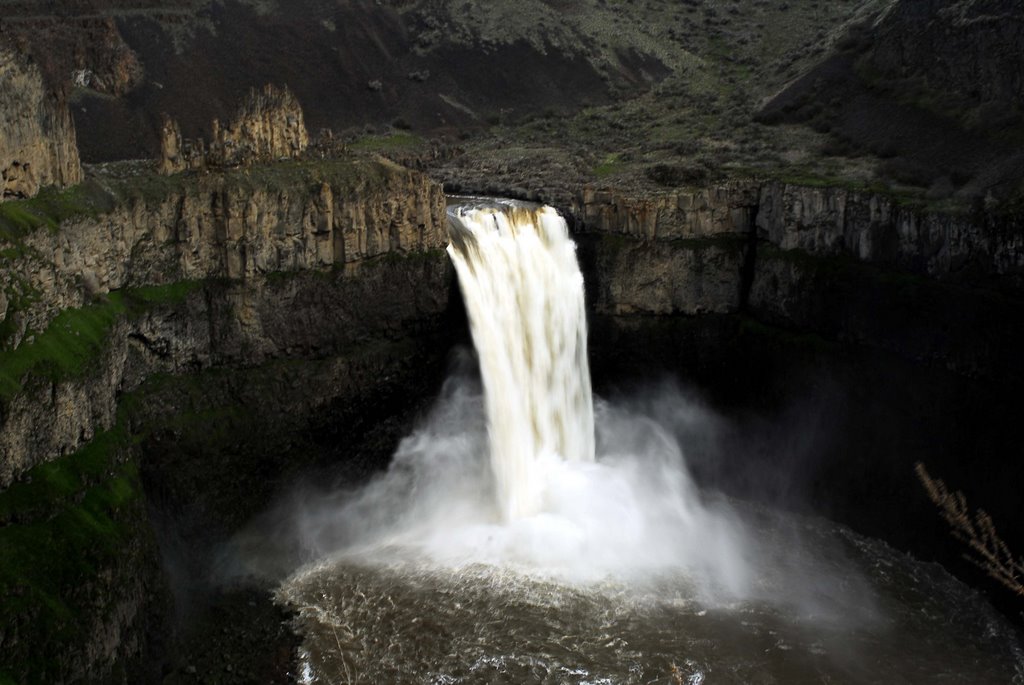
column 211, row 227
column 849, row 265
column 164, row 352
column 37, row 134
column 268, row 126
column 825, row 223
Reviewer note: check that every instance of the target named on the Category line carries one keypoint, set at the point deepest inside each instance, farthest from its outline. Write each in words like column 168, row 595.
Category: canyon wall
column 820, row 221
column 212, row 227
column 166, row 344
column 37, row 134
column 832, row 261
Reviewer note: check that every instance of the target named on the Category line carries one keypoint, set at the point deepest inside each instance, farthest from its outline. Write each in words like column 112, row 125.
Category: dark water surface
column 827, row 606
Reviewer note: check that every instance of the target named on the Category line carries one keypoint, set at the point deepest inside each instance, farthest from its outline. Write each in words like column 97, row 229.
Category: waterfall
column 523, row 291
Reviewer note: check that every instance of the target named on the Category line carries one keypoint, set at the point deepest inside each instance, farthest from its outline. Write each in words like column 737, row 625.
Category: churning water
column 526, row 534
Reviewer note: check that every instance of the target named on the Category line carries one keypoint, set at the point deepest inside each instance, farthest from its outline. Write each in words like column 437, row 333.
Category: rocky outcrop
column 37, row 135
column 664, row 215
column 268, row 126
column 666, row 277
column 173, row 157
column 814, row 259
column 880, row 230
column 820, row 221
column 319, row 217
column 316, row 215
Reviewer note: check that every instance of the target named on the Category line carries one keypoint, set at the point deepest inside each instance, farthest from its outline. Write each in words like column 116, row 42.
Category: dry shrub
column 977, row 531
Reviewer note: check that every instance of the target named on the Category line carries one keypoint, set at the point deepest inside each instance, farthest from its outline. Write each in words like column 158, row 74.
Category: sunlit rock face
column 201, row 228
column 268, row 126
column 37, row 135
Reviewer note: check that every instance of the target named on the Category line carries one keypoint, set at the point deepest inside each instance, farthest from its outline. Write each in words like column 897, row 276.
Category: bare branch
column 988, row 551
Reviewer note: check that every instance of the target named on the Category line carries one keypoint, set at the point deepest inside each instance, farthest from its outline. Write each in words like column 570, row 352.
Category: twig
column 977, row 531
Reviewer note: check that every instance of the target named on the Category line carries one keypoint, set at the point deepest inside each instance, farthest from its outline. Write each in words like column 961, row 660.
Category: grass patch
column 50, row 208
column 77, row 336
column 609, row 166
column 386, row 143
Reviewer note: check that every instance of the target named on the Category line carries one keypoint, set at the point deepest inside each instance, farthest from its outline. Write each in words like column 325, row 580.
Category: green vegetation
column 50, row 208
column 63, row 526
column 76, row 336
column 610, row 165
column 911, row 198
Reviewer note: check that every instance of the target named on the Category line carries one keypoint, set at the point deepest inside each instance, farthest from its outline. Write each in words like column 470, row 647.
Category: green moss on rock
column 66, row 528
column 50, row 208
column 75, row 337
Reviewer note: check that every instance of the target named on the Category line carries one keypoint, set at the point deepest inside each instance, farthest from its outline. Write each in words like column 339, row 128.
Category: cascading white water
column 510, row 469
column 523, row 291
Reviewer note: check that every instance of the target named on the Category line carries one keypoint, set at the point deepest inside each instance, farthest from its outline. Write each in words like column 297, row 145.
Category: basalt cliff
column 183, row 337
column 37, row 135
column 246, row 310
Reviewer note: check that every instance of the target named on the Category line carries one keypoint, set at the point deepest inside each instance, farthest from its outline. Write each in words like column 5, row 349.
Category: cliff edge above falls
column 978, row 248
column 851, row 266
column 37, row 134
column 122, row 234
